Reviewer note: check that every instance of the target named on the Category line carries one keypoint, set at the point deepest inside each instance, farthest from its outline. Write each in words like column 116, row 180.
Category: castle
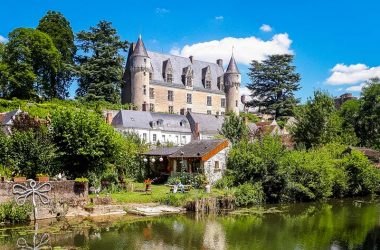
column 167, row 83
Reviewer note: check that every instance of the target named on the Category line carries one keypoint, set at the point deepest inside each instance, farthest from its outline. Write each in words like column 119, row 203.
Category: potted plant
column 80, row 185
column 148, row 183
column 42, row 177
column 19, row 178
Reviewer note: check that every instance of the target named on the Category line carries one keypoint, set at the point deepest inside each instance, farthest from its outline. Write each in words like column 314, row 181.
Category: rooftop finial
column 139, row 36
column 233, row 50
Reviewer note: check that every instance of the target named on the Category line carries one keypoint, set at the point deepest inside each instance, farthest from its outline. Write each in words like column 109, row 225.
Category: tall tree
column 319, row 123
column 234, row 128
column 369, row 114
column 100, row 64
column 31, row 59
column 273, row 83
column 58, row 28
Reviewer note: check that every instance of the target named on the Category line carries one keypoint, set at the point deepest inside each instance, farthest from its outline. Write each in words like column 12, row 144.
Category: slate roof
column 208, row 124
column 7, row 117
column 164, row 151
column 132, row 119
column 232, row 67
column 140, row 48
column 178, row 63
column 196, row 149
column 150, row 120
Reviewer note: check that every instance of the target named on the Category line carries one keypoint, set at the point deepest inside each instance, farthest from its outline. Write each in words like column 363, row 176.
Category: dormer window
column 206, row 77
column 187, row 76
column 167, row 71
column 160, row 122
column 183, row 123
column 220, row 83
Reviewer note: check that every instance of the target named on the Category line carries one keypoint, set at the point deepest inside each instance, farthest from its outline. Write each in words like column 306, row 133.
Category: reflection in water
column 338, row 225
column 39, row 241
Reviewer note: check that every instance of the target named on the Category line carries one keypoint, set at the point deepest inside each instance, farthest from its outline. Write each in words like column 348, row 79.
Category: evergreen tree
column 100, row 64
column 58, row 28
column 273, row 83
column 31, row 60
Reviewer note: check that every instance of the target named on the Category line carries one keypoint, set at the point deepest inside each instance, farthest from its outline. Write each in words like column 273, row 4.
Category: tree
column 273, row 83
column 100, row 63
column 319, row 123
column 369, row 115
column 58, row 28
column 3, row 72
column 234, row 128
column 31, row 60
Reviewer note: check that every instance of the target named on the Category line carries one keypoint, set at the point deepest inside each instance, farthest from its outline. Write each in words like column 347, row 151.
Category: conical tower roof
column 140, row 48
column 232, row 67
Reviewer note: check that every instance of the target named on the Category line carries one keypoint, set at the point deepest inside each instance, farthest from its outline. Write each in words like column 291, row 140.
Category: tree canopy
column 100, row 63
column 273, row 85
column 58, row 28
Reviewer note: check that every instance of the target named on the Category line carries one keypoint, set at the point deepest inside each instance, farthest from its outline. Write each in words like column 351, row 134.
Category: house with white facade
column 153, row 128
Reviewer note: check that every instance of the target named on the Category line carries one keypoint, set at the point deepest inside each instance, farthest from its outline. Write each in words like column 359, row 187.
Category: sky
column 336, row 43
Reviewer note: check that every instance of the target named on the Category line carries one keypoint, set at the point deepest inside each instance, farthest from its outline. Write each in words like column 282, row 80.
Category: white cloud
column 3, row 39
column 219, row 18
column 162, row 11
column 352, row 74
column 357, row 88
column 266, row 28
column 245, row 49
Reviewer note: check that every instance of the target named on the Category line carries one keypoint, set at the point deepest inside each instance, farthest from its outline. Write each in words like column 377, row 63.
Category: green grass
column 160, row 193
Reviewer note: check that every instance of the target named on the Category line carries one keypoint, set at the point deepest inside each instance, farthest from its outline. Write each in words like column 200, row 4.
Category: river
column 347, row 224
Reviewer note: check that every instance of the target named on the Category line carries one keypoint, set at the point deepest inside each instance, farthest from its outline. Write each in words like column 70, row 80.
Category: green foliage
column 227, row 181
column 11, row 212
column 234, row 128
column 249, row 194
column 273, row 83
column 319, row 123
column 251, row 117
column 31, row 59
column 81, row 180
column 100, row 63
column 368, row 123
column 58, row 28
column 258, row 162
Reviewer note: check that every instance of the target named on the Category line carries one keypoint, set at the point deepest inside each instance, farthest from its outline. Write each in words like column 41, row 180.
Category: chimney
column 197, row 131
column 219, row 62
column 109, row 118
column 191, row 59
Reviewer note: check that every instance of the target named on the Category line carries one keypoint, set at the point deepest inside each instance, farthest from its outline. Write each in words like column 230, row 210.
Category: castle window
column 170, row 95
column 169, row 78
column 208, row 85
column 151, row 107
column 144, row 89
column 189, row 98
column 150, row 76
column 206, row 77
column 220, row 83
column 209, row 112
column 151, row 93
column 236, row 103
column 223, row 102
column 171, row 109
column 189, row 81
column 209, row 101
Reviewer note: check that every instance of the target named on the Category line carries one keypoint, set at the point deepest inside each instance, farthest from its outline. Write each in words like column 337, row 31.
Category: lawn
column 160, row 193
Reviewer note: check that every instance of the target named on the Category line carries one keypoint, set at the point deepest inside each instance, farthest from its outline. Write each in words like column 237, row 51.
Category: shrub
column 249, row 194
column 11, row 212
column 174, row 199
column 225, row 182
column 195, row 180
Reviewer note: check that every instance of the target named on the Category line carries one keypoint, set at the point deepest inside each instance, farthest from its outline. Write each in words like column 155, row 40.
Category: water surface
column 345, row 224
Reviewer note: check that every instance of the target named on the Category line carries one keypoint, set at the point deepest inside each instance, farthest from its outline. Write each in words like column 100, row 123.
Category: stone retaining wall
column 63, row 195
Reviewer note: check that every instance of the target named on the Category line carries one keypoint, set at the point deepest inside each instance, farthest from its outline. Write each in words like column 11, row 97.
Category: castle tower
column 232, row 81
column 139, row 67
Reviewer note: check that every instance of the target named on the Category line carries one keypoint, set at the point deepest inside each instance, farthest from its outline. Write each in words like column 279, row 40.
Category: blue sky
column 335, row 43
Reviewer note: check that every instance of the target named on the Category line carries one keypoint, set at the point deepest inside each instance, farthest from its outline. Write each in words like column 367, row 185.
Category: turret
column 232, row 81
column 140, row 69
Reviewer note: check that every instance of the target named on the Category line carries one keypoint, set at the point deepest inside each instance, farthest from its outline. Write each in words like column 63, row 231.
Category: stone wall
column 62, row 196
column 198, row 105
column 212, row 172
